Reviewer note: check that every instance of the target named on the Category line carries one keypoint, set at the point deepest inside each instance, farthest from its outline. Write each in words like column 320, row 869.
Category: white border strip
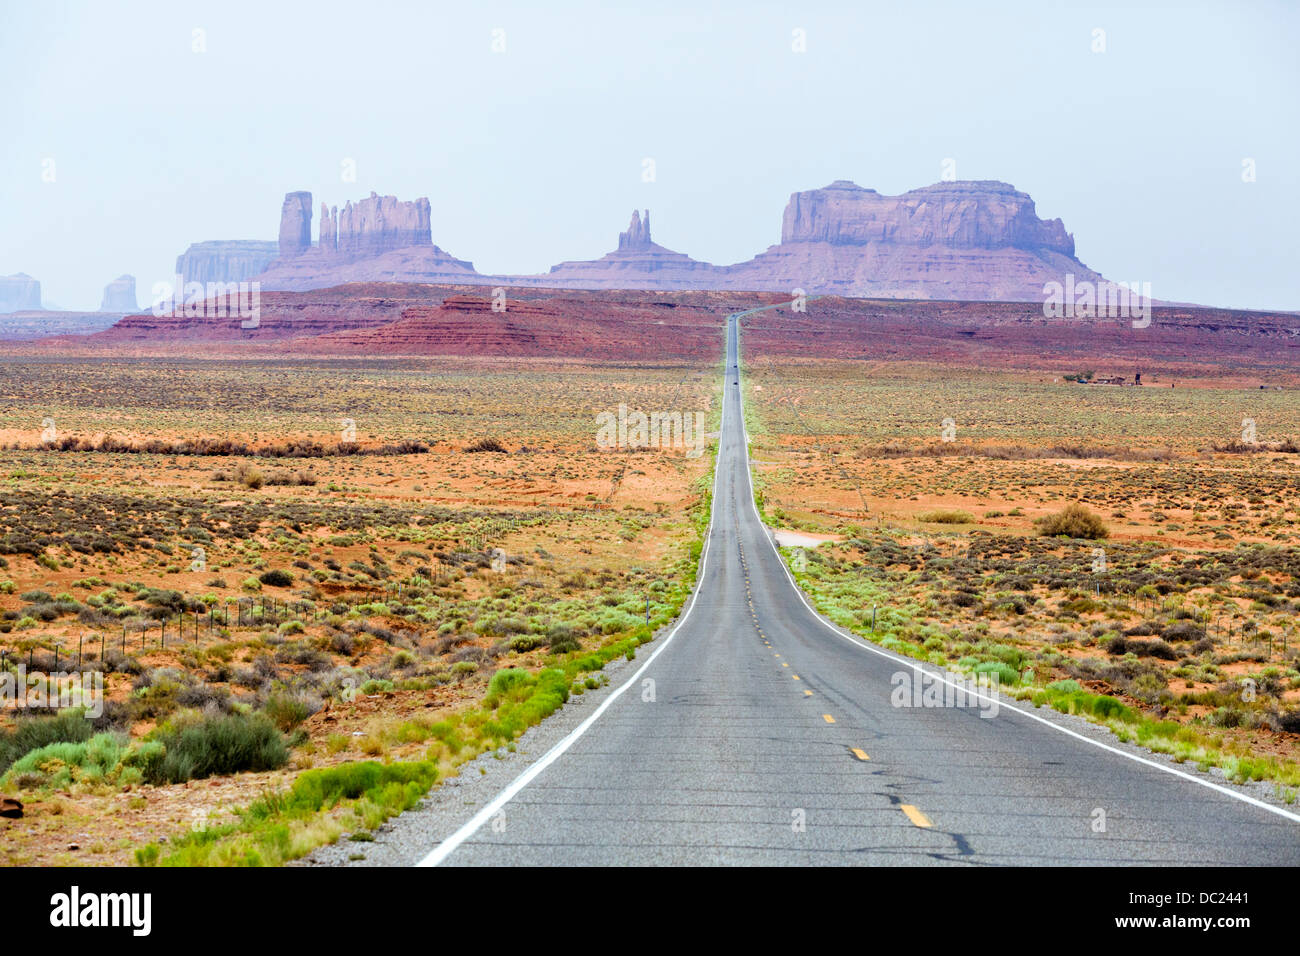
column 1014, row 708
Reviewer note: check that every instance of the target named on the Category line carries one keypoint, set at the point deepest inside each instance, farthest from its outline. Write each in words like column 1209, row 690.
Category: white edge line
column 448, row 846
column 918, row 665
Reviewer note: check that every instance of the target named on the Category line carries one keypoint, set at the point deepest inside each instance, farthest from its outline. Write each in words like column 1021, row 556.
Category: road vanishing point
column 757, row 733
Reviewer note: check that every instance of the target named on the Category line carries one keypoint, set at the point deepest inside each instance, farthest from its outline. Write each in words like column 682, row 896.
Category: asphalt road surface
column 754, row 733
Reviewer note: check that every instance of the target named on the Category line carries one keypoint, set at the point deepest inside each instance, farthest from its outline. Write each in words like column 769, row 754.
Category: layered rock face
column 959, row 240
column 225, row 260
column 19, row 293
column 378, row 239
column 977, row 240
column 374, row 226
column 317, row 270
column 119, row 295
column 295, row 224
column 958, row 215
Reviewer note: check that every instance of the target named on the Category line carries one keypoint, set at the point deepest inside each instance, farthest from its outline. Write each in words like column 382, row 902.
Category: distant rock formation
column 378, row 239
column 317, row 270
column 374, row 226
column 637, row 263
column 44, row 323
column 959, row 215
column 283, row 315
column 19, row 293
column 638, row 233
column 295, row 224
column 955, row 240
column 119, row 295
column 225, row 260
column 967, row 240
column 329, row 230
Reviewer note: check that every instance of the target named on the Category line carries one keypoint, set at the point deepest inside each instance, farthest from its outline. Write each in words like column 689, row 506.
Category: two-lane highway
column 754, row 733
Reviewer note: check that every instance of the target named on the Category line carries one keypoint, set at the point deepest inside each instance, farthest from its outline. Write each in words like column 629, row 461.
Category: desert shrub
column 562, row 639
column 1068, row 686
column 287, row 710
column 947, row 516
column 1161, row 650
column 1103, row 707
column 146, row 757
column 317, row 789
column 1226, row 717
column 1003, row 673
column 276, row 578
column 62, row 764
column 1182, row 631
column 523, row 643
column 204, row 746
column 1075, row 521
column 199, row 696
column 43, row 612
column 383, row 633
column 1156, row 648
column 304, row 655
column 33, row 733
column 504, row 681
column 613, row 621
column 486, row 444
column 289, row 478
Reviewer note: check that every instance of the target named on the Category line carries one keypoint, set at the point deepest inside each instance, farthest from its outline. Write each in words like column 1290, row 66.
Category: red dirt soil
column 392, row 319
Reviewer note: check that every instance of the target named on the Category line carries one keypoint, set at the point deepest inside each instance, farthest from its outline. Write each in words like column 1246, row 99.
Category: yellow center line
column 807, row 693
column 828, row 718
column 784, row 664
column 915, row 815
column 860, row 754
column 795, row 676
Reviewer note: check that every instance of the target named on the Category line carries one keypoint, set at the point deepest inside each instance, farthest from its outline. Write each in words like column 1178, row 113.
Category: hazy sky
column 534, row 155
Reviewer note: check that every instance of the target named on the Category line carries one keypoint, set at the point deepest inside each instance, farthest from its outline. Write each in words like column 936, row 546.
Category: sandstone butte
column 225, row 260
column 378, row 239
column 965, row 240
column 19, row 293
column 119, row 296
